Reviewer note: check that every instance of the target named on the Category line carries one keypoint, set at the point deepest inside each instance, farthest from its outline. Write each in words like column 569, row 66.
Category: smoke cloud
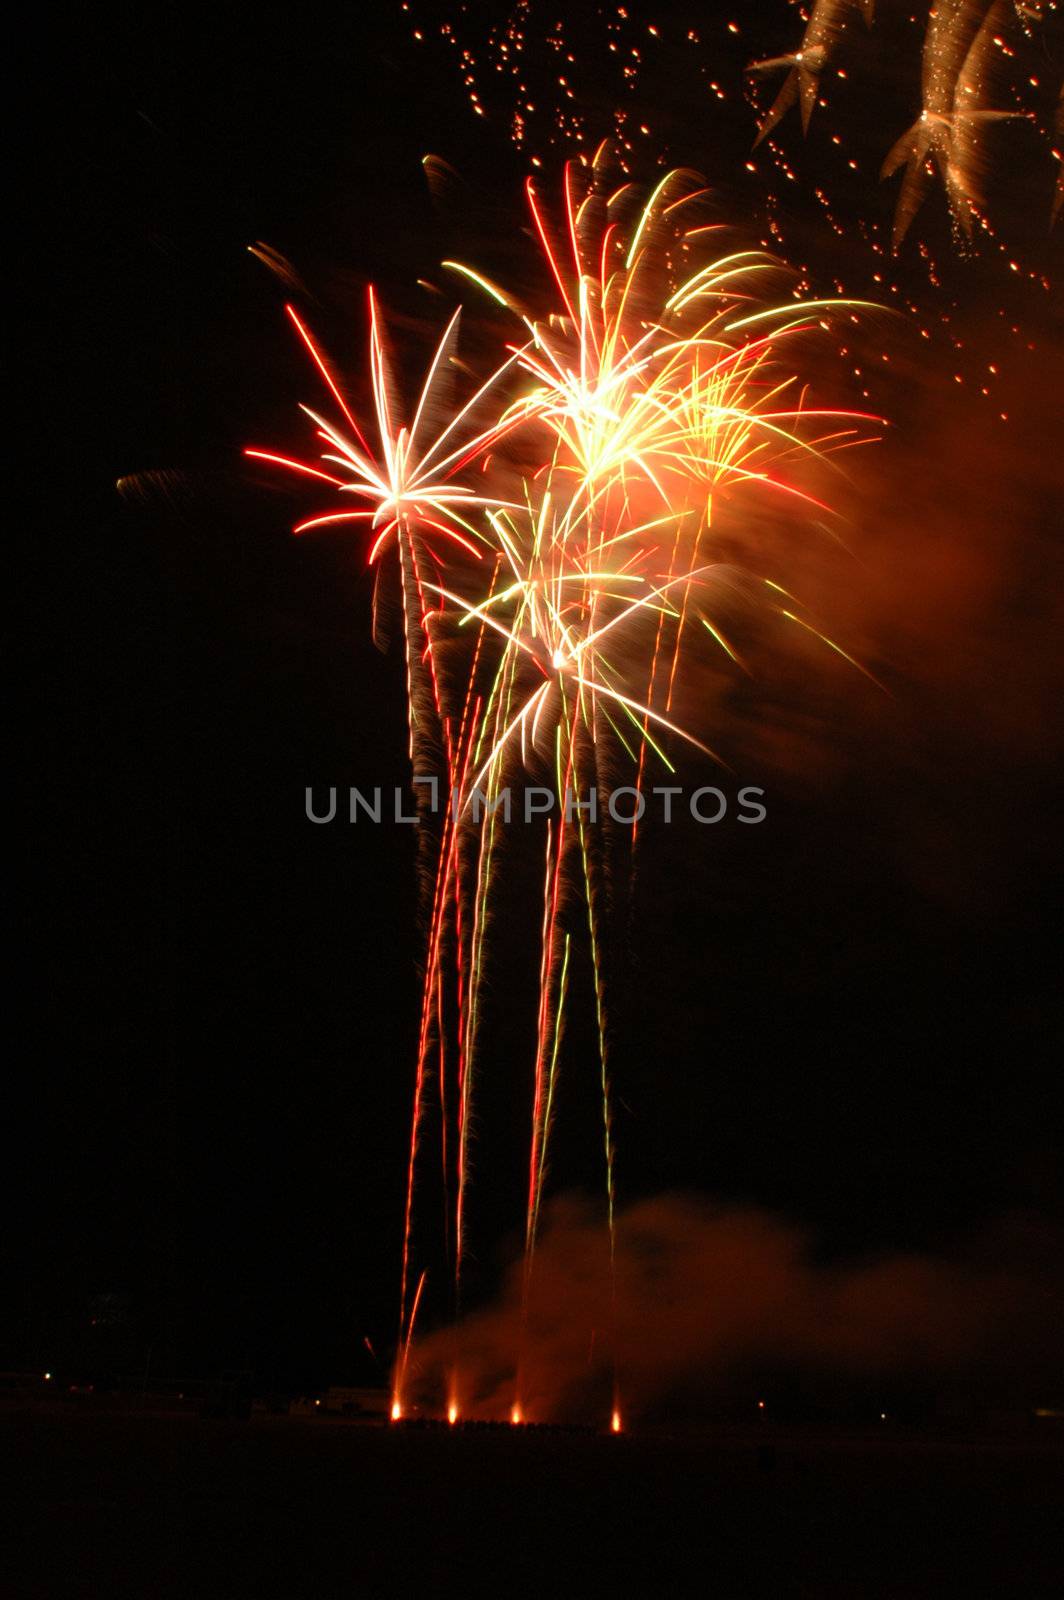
column 715, row 1302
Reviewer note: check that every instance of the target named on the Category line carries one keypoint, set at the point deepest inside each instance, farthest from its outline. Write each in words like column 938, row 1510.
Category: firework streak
column 551, row 543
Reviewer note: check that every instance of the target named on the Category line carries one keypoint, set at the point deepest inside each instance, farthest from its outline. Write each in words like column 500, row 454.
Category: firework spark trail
column 467, row 731
column 458, row 752
column 551, row 886
column 404, row 1356
column 827, row 23
column 550, row 1019
column 957, row 73
column 600, row 1021
column 644, row 740
column 537, row 1147
column 501, row 694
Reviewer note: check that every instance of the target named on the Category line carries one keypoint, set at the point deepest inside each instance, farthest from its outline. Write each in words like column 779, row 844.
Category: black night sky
column 847, row 1017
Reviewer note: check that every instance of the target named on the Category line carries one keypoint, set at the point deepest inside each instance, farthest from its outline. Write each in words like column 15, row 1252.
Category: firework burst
column 560, row 527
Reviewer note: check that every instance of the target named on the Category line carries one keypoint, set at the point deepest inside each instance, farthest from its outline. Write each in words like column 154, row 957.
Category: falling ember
column 516, row 1416
column 397, row 1411
column 452, row 1413
column 615, row 1422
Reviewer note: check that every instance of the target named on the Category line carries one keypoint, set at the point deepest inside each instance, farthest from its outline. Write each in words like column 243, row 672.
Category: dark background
column 847, row 1015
